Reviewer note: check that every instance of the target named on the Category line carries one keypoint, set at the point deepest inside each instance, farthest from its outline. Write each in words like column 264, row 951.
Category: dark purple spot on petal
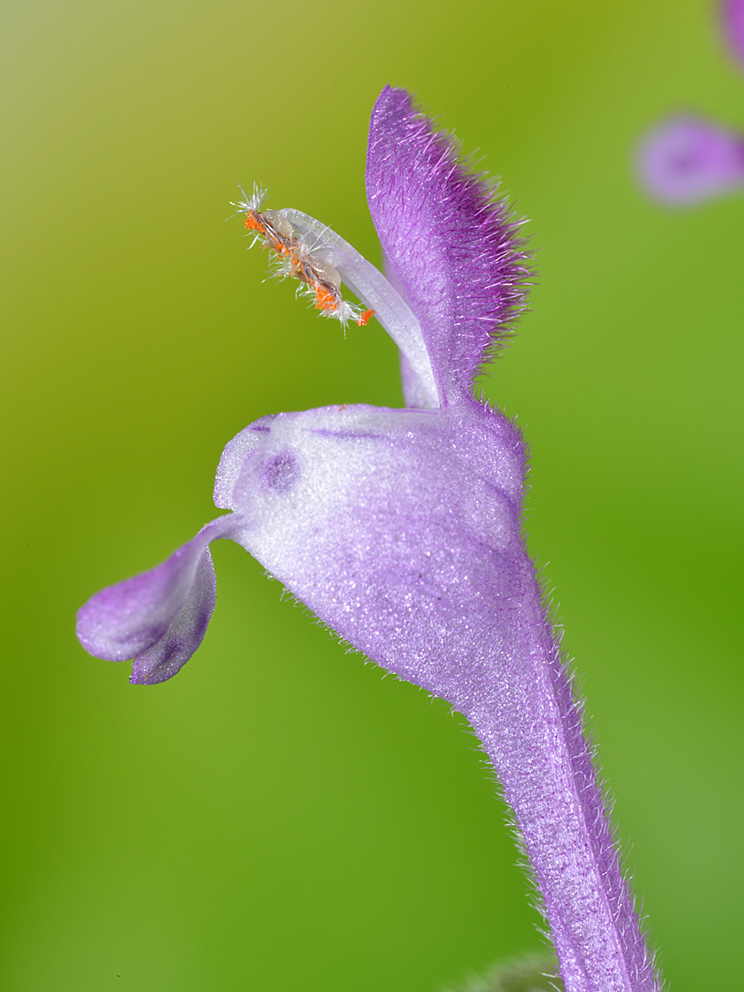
column 281, row 472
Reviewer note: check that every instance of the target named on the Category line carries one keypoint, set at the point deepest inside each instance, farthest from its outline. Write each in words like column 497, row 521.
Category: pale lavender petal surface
column 453, row 246
column 158, row 617
column 399, row 529
column 687, row 160
column 732, row 18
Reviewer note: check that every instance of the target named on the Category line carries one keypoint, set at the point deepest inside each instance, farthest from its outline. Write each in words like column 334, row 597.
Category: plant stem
column 532, row 730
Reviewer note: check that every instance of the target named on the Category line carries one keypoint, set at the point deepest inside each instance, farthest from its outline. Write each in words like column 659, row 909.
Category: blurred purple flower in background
column 732, row 20
column 688, row 159
column 401, row 528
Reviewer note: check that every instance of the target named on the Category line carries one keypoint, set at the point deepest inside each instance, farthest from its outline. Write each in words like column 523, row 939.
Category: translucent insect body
column 295, row 259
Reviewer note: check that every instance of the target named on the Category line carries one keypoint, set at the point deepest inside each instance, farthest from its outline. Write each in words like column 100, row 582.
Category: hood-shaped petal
column 687, row 160
column 451, row 244
column 158, row 617
column 399, row 529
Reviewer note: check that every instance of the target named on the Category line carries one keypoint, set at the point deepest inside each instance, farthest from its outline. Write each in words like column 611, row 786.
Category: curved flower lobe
column 159, row 617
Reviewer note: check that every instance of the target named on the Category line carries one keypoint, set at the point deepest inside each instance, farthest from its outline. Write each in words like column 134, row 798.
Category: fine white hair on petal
column 374, row 290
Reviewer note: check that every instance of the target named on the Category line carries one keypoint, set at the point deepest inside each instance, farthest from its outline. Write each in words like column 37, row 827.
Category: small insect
column 294, row 259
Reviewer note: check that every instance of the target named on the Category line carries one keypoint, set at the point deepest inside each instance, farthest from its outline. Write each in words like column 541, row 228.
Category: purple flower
column 401, row 528
column 732, row 19
column 687, row 160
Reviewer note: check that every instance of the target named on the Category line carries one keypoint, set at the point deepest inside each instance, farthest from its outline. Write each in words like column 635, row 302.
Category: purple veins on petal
column 732, row 19
column 687, row 160
column 167, row 656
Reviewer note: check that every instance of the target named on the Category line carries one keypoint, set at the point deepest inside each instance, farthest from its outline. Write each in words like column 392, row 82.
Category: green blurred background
column 279, row 817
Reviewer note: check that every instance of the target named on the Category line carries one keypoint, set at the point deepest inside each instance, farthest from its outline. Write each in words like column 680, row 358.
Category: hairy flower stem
column 531, row 729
